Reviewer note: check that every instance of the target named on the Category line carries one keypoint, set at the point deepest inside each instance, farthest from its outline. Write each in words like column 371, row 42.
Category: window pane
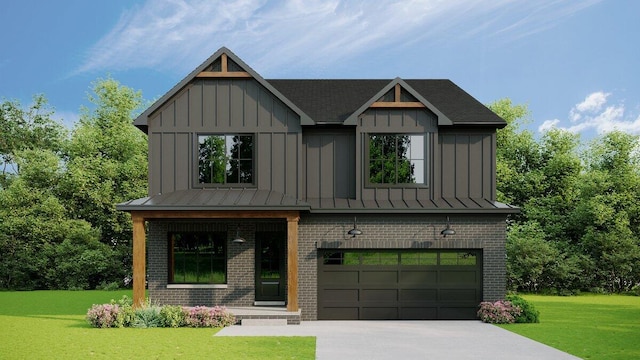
column 389, row 172
column 246, row 147
column 419, row 258
column 380, row 258
column 211, row 159
column 219, row 159
column 341, row 258
column 332, row 258
column 246, row 172
column 233, row 171
column 416, row 147
column 396, row 159
column 458, row 258
column 417, row 171
column 375, row 171
column 198, row 258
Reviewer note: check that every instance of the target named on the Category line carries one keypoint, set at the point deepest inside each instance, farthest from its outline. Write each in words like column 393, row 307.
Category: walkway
column 400, row 340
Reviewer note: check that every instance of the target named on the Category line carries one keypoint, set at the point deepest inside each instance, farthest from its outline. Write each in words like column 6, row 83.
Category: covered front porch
column 286, row 218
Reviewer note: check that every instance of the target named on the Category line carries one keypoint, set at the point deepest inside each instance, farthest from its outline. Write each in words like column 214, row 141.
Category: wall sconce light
column 238, row 239
column 355, row 231
column 448, row 230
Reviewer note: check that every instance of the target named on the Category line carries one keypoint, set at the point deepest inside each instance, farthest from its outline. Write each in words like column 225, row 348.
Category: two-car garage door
column 399, row 284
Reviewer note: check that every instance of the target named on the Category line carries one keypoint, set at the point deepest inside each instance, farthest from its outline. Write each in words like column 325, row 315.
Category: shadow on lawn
column 73, row 322
column 54, row 302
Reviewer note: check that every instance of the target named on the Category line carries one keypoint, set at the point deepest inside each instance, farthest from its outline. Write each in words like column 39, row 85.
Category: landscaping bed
column 52, row 325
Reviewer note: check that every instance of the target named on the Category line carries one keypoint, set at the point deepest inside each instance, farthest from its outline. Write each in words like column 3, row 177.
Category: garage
column 399, row 284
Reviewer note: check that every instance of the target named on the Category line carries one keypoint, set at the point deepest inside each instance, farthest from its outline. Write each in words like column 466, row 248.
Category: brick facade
column 389, row 231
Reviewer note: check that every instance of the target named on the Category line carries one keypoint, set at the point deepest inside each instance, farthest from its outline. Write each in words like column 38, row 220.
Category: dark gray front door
column 270, row 268
column 399, row 284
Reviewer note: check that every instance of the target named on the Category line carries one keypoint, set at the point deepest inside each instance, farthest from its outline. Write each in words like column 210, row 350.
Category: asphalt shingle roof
column 332, row 101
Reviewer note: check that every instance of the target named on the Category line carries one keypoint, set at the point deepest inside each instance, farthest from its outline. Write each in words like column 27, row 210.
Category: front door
column 270, row 268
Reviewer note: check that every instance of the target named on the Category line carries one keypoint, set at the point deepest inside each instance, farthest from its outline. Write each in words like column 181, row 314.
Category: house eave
column 130, row 208
column 414, row 211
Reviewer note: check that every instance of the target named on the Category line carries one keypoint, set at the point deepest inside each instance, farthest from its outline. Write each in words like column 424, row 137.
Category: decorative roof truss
column 397, row 98
column 223, row 67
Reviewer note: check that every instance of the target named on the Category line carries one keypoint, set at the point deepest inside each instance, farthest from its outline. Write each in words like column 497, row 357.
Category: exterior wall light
column 238, row 239
column 355, row 231
column 448, row 230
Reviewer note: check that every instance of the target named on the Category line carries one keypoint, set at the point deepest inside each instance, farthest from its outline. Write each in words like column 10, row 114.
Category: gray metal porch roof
column 216, row 199
column 255, row 199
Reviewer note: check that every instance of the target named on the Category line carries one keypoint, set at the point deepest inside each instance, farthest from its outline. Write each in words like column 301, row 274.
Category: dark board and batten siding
column 224, row 106
column 329, row 155
column 466, row 166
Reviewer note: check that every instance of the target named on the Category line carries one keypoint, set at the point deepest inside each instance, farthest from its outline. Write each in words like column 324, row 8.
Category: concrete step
column 263, row 322
column 265, row 316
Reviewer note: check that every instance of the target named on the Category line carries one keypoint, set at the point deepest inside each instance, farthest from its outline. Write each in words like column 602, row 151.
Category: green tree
column 106, row 163
column 518, row 156
column 26, row 128
column 38, row 240
column 607, row 216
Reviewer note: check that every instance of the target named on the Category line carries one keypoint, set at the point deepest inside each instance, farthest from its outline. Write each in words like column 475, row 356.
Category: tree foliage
column 59, row 225
column 578, row 229
column 26, row 129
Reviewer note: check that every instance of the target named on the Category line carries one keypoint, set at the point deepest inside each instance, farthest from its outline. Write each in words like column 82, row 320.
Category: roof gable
column 222, row 64
column 397, row 85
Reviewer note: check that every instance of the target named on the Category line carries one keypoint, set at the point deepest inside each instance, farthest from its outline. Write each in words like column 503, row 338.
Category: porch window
column 396, row 159
column 225, row 159
column 198, row 258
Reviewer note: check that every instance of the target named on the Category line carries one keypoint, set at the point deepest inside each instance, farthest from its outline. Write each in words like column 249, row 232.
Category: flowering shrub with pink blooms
column 202, row 316
column 499, row 312
column 103, row 316
column 122, row 314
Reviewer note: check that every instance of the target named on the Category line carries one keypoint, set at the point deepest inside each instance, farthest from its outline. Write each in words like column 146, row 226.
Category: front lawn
column 51, row 325
column 588, row 326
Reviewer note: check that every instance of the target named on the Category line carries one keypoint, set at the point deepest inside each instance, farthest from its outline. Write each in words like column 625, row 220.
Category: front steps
column 264, row 316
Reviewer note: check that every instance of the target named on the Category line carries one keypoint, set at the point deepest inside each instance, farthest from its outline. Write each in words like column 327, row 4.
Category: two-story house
column 346, row 199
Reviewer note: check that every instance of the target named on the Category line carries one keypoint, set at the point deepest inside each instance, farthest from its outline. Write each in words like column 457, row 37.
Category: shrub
column 122, row 314
column 126, row 314
column 202, row 316
column 147, row 317
column 103, row 316
column 528, row 313
column 108, row 286
column 635, row 290
column 172, row 316
column 499, row 312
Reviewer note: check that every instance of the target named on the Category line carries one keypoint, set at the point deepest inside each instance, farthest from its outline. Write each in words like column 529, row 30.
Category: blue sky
column 576, row 64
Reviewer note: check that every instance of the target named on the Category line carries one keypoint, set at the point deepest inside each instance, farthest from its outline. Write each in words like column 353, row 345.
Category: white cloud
column 594, row 113
column 548, row 125
column 591, row 104
column 178, row 34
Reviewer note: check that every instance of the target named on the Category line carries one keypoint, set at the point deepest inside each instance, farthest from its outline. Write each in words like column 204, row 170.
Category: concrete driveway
column 400, row 340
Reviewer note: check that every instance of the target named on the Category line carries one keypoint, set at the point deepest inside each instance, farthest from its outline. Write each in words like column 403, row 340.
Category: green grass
column 51, row 325
column 588, row 326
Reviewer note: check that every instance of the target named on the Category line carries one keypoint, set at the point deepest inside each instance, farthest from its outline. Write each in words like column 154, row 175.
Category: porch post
column 292, row 263
column 139, row 271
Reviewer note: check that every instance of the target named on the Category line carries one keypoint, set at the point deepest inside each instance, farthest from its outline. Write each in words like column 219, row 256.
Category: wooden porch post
column 139, row 271
column 292, row 263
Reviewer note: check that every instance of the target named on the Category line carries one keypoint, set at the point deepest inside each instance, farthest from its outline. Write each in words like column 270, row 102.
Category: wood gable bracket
column 397, row 101
column 224, row 71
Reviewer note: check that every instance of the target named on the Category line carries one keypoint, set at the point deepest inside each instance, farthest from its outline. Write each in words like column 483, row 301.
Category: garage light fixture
column 238, row 239
column 448, row 230
column 355, row 231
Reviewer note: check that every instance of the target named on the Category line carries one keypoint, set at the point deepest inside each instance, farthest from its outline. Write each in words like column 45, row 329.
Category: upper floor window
column 198, row 258
column 225, row 159
column 396, row 159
